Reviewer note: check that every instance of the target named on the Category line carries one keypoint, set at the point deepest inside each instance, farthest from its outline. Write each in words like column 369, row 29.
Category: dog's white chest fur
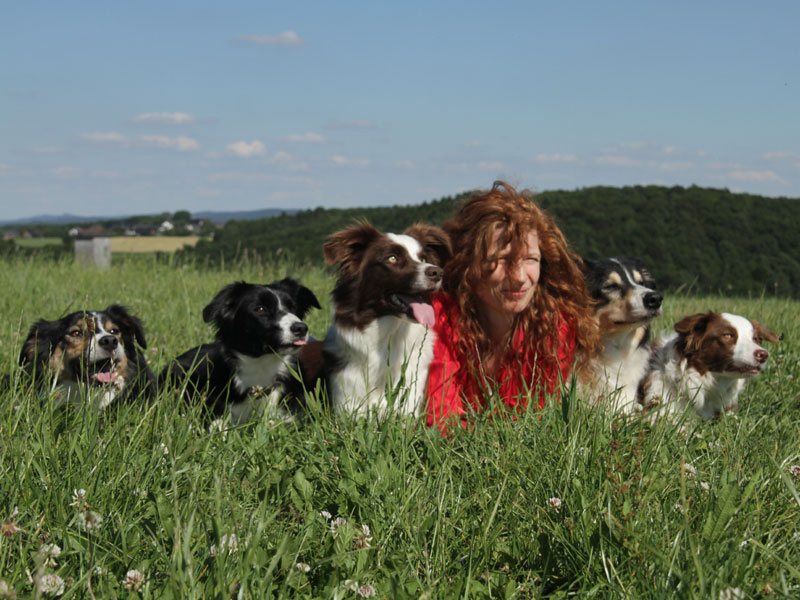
column 618, row 371
column 389, row 354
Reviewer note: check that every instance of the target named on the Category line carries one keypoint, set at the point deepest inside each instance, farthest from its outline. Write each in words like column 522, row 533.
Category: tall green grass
column 562, row 502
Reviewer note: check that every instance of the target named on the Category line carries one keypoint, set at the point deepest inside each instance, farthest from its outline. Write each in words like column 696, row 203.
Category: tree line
column 703, row 240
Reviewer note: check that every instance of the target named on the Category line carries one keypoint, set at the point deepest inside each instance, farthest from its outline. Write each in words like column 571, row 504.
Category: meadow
column 143, row 501
column 123, row 243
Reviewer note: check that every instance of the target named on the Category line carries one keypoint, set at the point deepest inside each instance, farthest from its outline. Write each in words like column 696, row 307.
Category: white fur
column 386, row 353
column 261, row 372
column 674, row 385
column 616, row 373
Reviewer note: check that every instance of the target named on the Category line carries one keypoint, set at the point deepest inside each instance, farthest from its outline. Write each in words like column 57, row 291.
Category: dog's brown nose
column 761, row 355
column 433, row 272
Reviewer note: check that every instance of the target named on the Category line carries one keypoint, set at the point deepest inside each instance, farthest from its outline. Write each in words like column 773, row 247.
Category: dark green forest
column 701, row 240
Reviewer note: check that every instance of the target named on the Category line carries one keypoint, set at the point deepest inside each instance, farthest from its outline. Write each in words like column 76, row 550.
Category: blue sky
column 110, row 108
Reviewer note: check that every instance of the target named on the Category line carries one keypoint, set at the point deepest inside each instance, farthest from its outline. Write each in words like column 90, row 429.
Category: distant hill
column 215, row 216
column 703, row 239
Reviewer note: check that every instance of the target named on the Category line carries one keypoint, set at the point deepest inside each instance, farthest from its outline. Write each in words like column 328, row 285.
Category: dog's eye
column 113, row 331
column 611, row 287
column 261, row 309
column 392, row 259
column 74, row 333
column 728, row 335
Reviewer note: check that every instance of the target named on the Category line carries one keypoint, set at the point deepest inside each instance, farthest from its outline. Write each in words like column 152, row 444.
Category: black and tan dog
column 626, row 302
column 89, row 356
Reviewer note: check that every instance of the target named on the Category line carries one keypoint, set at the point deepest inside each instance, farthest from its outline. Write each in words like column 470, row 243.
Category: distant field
column 152, row 244
column 38, row 242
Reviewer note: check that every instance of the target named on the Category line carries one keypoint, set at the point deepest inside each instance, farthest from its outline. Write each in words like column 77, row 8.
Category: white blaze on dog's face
column 106, row 341
column 747, row 353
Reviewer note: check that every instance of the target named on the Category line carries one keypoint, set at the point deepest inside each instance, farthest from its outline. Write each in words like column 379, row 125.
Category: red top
column 453, row 389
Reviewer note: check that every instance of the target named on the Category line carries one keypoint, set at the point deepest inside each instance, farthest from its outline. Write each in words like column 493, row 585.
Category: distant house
column 74, row 232
column 145, row 230
column 90, row 232
column 10, row 234
column 165, row 227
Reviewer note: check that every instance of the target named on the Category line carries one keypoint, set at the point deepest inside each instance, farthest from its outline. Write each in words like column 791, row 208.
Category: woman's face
column 508, row 286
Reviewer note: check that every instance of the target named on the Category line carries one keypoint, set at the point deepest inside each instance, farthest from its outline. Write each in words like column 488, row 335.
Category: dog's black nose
column 299, row 329
column 433, row 272
column 652, row 300
column 108, row 342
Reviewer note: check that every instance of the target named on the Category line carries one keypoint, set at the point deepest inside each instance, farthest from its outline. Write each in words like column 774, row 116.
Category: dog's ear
column 305, row 298
column 586, row 265
column 129, row 324
column 691, row 330
column 223, row 306
column 39, row 343
column 346, row 247
column 434, row 240
column 762, row 333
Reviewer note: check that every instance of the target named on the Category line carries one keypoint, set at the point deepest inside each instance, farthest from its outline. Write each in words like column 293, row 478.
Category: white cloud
column 675, row 166
column 287, row 161
column 490, row 166
column 555, row 158
column 181, row 143
column 793, row 156
column 344, row 161
column 175, row 118
column 757, row 176
column 305, row 137
column 104, row 137
column 287, row 39
column 244, row 149
column 405, row 164
column 241, row 177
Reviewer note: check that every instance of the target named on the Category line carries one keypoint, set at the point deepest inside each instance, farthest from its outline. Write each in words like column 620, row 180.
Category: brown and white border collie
column 625, row 304
column 89, row 356
column 381, row 338
column 705, row 364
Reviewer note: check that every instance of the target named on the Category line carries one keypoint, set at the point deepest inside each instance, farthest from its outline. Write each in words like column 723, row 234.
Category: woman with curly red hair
column 514, row 311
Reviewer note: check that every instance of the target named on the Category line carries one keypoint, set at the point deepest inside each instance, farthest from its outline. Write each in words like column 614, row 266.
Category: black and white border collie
column 90, row 356
column 626, row 302
column 704, row 364
column 381, row 338
column 260, row 331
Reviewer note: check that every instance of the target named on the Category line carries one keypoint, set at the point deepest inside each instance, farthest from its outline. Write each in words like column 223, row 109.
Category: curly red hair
column 560, row 294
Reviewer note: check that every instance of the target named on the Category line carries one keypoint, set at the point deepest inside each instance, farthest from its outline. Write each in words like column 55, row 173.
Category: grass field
column 125, row 244
column 568, row 502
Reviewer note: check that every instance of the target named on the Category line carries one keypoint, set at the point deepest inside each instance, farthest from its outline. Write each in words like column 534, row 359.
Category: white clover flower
column 90, row 520
column 48, row 554
column 679, row 508
column 704, row 486
column 691, row 471
column 326, row 515
column 555, row 503
column 164, row 449
column 304, row 567
column 363, row 538
column 366, row 591
column 79, row 499
column 51, row 585
column 351, row 585
column 134, row 580
column 336, row 523
column 795, row 470
column 731, row 594
column 228, row 543
column 5, row 591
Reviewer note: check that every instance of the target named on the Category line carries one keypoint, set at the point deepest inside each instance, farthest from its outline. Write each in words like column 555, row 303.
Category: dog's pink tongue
column 104, row 377
column 300, row 343
column 423, row 313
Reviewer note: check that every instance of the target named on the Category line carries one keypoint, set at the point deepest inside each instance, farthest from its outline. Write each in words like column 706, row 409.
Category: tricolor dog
column 89, row 356
column 260, row 331
column 704, row 364
column 626, row 302
column 381, row 341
